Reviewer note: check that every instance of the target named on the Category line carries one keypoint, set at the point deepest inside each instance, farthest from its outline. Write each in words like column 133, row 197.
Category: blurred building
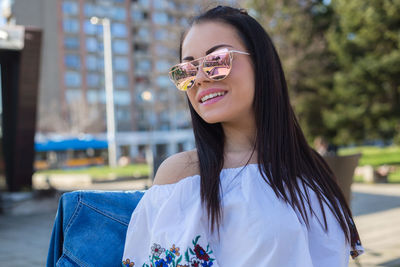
column 145, row 41
column 20, row 49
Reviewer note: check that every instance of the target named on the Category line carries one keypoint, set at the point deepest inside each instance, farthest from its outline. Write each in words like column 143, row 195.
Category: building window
column 102, row 11
column 138, row 15
column 93, row 80
column 89, row 10
column 161, row 50
column 120, row 47
column 163, row 81
column 118, row 30
column 70, row 8
column 143, row 33
column 100, row 63
column 162, row 65
column 71, row 25
column 72, row 79
column 71, row 43
column 121, row 81
column 141, row 48
column 142, row 79
column 122, row 98
column 95, row 63
column 161, row 34
column 72, row 61
column 91, row 44
column 121, row 64
column 160, row 4
column 89, row 28
column 143, row 65
column 91, row 62
column 118, row 13
column 123, row 117
column 93, row 96
column 160, row 18
column 144, row 3
column 172, row 5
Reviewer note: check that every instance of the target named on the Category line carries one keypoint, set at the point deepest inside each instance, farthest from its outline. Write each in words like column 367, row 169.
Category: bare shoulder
column 177, row 167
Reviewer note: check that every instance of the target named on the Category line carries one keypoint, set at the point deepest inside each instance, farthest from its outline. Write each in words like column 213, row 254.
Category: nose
column 201, row 78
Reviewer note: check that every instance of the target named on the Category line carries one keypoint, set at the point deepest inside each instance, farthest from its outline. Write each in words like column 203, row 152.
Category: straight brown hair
column 284, row 157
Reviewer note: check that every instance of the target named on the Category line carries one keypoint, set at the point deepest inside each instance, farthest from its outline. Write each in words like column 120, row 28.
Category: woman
column 253, row 193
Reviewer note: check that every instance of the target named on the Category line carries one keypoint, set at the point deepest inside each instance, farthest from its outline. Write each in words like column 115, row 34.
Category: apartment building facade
column 145, row 37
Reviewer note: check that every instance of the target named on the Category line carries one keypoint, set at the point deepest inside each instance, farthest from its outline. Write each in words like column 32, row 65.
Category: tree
column 365, row 37
column 342, row 63
column 85, row 118
column 298, row 29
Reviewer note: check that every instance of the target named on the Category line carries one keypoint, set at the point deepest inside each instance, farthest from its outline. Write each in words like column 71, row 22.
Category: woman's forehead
column 203, row 36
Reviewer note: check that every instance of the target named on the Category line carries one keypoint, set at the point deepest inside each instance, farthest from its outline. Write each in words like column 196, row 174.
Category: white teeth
column 209, row 96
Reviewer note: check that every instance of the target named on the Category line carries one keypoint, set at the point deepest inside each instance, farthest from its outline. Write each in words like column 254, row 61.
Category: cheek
column 243, row 69
column 192, row 98
column 244, row 81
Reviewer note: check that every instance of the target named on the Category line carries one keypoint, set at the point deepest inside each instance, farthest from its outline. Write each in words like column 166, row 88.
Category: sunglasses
column 216, row 66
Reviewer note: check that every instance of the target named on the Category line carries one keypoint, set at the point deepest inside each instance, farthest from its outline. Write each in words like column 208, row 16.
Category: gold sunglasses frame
column 201, row 61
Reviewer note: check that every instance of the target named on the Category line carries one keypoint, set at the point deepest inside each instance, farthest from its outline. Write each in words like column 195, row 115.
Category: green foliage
column 105, row 172
column 377, row 156
column 342, row 64
column 298, row 31
column 365, row 36
column 394, row 177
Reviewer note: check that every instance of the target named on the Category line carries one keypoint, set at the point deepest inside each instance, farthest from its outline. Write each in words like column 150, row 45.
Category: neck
column 239, row 143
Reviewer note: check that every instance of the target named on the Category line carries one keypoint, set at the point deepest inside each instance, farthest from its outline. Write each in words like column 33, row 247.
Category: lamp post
column 147, row 97
column 108, row 73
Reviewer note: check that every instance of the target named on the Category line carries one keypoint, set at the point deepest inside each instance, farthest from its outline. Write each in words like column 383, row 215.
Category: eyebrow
column 212, row 49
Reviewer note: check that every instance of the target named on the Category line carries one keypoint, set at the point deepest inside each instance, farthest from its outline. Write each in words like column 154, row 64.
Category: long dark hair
column 284, row 157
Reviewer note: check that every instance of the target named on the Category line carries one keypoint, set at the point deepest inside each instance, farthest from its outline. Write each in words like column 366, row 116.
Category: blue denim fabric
column 90, row 228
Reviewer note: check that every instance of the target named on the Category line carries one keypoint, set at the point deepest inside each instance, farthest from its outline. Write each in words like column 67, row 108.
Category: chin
column 212, row 119
column 216, row 115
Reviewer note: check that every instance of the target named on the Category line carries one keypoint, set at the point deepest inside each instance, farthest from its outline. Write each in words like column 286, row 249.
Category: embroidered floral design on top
column 127, row 263
column 196, row 257
column 175, row 250
column 157, row 250
column 357, row 250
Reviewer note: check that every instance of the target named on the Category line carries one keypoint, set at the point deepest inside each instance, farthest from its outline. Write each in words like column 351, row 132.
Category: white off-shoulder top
column 169, row 227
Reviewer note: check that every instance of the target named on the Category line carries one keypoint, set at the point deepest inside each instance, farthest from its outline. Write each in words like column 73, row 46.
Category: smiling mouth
column 211, row 96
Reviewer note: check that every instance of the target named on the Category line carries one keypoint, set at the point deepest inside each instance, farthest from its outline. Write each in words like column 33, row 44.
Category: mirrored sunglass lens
column 217, row 66
column 184, row 76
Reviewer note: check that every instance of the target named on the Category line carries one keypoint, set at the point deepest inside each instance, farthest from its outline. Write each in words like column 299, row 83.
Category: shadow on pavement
column 391, row 263
column 364, row 203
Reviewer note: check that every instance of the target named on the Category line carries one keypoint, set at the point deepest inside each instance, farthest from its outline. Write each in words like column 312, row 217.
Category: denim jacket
column 90, row 228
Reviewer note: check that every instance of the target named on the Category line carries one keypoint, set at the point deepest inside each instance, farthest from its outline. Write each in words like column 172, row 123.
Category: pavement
column 376, row 210
column 25, row 229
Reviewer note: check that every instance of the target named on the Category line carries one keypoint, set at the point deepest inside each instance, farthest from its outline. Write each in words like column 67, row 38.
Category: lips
column 210, row 93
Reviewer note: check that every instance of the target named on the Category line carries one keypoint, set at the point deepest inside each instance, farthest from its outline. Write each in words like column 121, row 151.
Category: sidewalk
column 25, row 234
column 377, row 215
